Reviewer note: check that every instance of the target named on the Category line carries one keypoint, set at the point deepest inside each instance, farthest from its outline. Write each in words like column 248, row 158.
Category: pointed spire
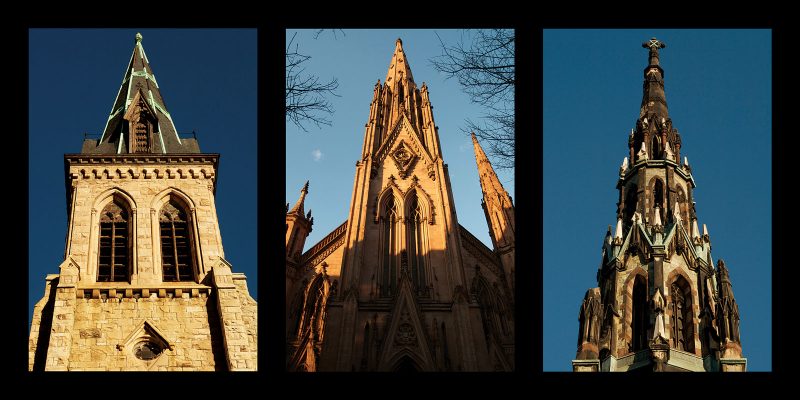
column 676, row 212
column 642, row 154
column 139, row 97
column 618, row 232
column 705, row 233
column 654, row 101
column 668, row 154
column 657, row 216
column 398, row 67
column 624, row 167
column 298, row 207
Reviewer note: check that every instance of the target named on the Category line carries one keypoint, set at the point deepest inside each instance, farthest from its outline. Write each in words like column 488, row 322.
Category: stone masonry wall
column 146, row 187
column 101, row 326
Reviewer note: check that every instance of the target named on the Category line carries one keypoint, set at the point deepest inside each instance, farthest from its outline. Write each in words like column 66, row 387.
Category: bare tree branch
column 305, row 94
column 483, row 63
column 333, row 31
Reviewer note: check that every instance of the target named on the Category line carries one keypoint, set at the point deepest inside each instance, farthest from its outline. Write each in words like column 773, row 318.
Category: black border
column 271, row 169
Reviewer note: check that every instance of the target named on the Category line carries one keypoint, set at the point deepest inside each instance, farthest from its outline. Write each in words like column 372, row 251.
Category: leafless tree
column 306, row 99
column 483, row 63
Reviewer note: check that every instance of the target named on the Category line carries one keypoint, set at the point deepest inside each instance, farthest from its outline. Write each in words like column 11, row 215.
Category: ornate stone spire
column 298, row 207
column 654, row 100
column 398, row 67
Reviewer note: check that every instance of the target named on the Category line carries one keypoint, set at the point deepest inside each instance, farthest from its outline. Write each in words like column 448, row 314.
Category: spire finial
column 305, row 187
column 399, row 41
column 654, row 44
column 138, row 37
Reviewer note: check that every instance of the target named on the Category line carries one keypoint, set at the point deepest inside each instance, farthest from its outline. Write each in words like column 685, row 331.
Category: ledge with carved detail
column 162, row 291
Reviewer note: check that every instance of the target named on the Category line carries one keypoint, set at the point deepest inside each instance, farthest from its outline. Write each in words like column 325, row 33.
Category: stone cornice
column 324, row 247
column 144, row 159
column 479, row 250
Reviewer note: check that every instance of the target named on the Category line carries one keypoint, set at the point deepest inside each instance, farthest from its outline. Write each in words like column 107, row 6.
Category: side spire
column 139, row 121
column 499, row 211
column 298, row 207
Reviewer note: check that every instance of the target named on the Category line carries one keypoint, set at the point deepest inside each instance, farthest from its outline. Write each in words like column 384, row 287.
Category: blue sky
column 718, row 88
column 208, row 80
column 327, row 156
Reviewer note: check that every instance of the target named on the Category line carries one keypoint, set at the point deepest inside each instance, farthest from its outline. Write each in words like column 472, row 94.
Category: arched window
column 389, row 253
column 681, row 318
column 658, row 200
column 683, row 208
column 630, row 204
column 416, row 246
column 176, row 244
column 639, row 317
column 655, row 148
column 491, row 309
column 313, row 309
column 114, row 255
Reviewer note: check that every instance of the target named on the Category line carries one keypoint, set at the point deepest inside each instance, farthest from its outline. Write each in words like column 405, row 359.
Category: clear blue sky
column 718, row 87
column 208, row 80
column 327, row 156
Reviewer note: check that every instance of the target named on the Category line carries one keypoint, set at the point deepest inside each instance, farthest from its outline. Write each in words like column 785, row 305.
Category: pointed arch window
column 416, row 246
column 639, row 315
column 142, row 123
column 491, row 309
column 655, row 148
column 658, row 198
column 176, row 244
column 630, row 204
column 681, row 319
column 389, row 249
column 313, row 313
column 114, row 252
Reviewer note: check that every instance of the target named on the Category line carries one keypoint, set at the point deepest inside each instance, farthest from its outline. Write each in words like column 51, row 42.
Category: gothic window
column 683, row 208
column 313, row 313
column 114, row 255
column 490, row 309
column 630, row 204
column 639, row 317
column 389, row 253
column 681, row 318
column 655, row 148
column 141, row 123
column 416, row 246
column 658, row 199
column 176, row 244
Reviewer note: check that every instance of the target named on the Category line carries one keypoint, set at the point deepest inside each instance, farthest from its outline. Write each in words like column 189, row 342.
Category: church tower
column 400, row 285
column 660, row 304
column 144, row 285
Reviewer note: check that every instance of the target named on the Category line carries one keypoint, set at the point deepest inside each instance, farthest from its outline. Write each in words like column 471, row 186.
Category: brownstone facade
column 660, row 303
column 400, row 285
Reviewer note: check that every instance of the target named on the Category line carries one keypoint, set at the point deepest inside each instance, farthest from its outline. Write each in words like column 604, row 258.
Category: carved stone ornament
column 405, row 336
column 403, row 158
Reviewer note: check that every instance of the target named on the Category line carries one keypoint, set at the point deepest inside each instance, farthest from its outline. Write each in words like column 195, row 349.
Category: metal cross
column 654, row 44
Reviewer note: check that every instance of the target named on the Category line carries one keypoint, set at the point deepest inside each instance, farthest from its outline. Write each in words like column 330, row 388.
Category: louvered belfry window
column 176, row 244
column 113, row 263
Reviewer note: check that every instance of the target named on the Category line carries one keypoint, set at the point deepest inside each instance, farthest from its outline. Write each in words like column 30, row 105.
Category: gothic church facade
column 660, row 304
column 144, row 285
column 400, row 285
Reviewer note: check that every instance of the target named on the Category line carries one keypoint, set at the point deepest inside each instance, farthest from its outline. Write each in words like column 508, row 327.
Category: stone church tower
column 400, row 285
column 144, row 284
column 661, row 305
